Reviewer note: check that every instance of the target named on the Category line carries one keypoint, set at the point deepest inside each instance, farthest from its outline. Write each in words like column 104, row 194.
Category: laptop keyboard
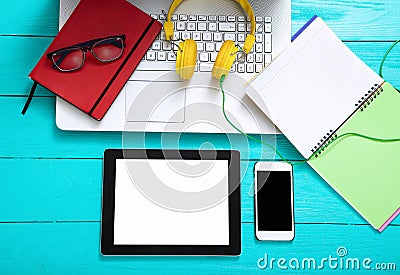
column 210, row 32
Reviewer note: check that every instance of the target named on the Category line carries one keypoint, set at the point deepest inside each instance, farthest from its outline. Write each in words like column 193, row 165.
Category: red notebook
column 94, row 87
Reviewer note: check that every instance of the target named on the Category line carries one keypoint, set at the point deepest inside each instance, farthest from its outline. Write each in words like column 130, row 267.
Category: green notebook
column 315, row 90
column 367, row 173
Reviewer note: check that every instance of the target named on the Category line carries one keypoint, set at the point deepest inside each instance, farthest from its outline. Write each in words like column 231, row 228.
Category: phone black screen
column 274, row 201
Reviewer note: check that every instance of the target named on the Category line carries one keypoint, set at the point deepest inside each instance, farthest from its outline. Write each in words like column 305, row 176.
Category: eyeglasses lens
column 108, row 49
column 69, row 59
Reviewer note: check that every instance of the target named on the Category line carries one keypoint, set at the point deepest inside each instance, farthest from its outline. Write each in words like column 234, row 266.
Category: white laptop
column 155, row 99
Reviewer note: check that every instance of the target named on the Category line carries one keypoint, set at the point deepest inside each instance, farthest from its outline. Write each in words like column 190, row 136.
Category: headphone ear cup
column 186, row 58
column 225, row 58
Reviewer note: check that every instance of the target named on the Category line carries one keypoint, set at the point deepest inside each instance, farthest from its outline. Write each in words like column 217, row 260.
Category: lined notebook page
column 312, row 87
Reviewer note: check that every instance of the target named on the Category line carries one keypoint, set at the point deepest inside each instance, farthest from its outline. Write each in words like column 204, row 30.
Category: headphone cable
column 375, row 139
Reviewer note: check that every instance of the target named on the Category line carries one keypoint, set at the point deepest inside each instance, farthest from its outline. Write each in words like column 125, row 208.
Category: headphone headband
column 250, row 39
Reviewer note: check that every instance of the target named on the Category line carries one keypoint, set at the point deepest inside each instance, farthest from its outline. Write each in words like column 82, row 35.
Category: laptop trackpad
column 158, row 101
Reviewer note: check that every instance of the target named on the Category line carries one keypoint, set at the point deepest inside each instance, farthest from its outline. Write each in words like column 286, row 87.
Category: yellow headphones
column 187, row 53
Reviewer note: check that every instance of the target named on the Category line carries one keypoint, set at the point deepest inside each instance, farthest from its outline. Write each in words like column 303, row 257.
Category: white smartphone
column 273, row 201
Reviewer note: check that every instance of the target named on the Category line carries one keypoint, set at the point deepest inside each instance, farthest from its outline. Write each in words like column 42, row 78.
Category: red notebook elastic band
column 122, row 65
column 28, row 101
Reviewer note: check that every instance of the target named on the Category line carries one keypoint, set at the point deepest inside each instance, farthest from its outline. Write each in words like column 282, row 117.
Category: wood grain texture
column 352, row 20
column 50, row 180
column 66, row 248
column 22, row 55
column 24, row 52
column 29, row 17
column 70, row 190
column 36, row 135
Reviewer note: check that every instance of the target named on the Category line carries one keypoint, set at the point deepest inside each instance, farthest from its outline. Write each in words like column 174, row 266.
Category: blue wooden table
column 50, row 180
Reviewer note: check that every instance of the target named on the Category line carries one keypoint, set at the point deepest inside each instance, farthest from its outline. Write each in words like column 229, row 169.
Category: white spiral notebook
column 318, row 90
column 312, row 87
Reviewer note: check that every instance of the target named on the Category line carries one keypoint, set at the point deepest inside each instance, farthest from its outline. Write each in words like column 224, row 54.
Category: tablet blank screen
column 171, row 202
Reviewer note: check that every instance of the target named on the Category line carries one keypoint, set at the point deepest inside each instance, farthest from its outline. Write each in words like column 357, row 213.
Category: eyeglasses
column 72, row 58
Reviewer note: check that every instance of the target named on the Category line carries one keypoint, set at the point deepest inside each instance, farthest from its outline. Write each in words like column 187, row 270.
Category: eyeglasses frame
column 86, row 47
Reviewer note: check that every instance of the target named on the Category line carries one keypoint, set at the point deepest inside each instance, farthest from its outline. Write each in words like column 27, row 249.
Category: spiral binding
column 362, row 104
column 369, row 97
column 324, row 142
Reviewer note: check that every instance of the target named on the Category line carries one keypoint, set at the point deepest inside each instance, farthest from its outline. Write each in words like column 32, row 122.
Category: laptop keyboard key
column 200, row 46
column 196, row 36
column 201, row 26
column 161, row 56
column 207, row 36
column 230, row 36
column 156, row 45
column 240, row 68
column 185, row 35
column 151, row 55
column 218, row 46
column 166, row 45
column 249, row 68
column 241, row 37
column 191, row 26
column 180, row 26
column 213, row 56
column 209, row 32
column 268, row 43
column 209, row 47
column 217, row 36
column 267, row 59
column 203, row 57
column 250, row 58
column 171, row 56
column 212, row 26
column 227, row 27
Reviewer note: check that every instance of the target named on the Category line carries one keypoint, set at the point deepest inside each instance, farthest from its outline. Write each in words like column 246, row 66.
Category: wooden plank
column 36, row 135
column 357, row 20
column 34, row 17
column 68, row 247
column 314, row 200
column 352, row 20
column 25, row 52
column 70, row 190
column 22, row 55
column 41, row 116
column 50, row 190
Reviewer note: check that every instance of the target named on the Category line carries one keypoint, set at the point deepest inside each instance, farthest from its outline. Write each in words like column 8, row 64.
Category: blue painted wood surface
column 50, row 180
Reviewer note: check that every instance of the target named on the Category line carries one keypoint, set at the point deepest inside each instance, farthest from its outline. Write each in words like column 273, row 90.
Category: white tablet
column 171, row 202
